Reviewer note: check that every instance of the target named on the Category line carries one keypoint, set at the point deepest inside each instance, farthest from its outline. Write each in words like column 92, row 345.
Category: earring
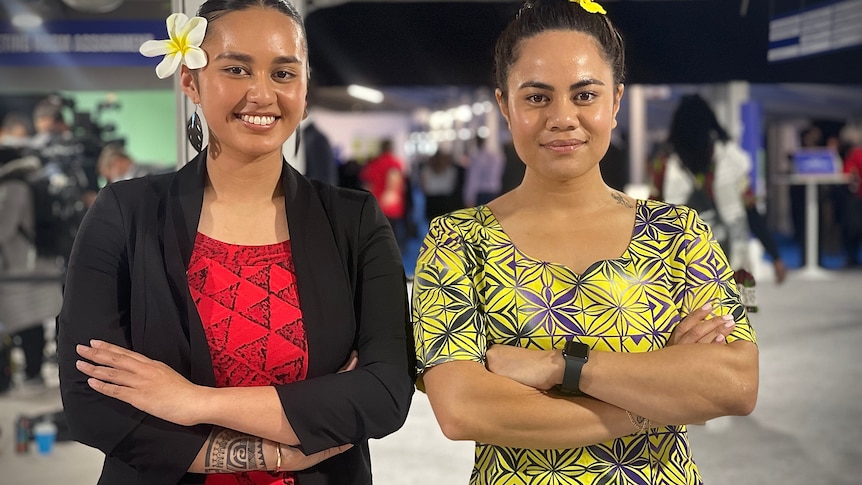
column 195, row 131
column 298, row 139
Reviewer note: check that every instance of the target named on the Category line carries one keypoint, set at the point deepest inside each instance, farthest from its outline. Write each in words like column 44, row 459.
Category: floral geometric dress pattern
column 247, row 300
column 474, row 288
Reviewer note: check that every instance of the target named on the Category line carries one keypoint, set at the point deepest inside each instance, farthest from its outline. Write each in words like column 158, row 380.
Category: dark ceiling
column 431, row 54
column 438, row 43
column 452, row 43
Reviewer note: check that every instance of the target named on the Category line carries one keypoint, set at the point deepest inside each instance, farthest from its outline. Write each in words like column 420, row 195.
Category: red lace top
column 248, row 303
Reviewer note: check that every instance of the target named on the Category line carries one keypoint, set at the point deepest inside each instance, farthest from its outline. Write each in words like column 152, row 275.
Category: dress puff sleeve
column 709, row 277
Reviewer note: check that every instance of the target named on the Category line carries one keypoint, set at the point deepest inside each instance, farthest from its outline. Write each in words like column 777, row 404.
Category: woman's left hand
column 146, row 384
column 540, row 369
column 699, row 327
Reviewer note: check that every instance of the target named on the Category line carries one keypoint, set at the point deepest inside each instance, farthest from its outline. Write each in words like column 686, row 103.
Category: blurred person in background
column 851, row 135
column 810, row 137
column 699, row 154
column 15, row 131
column 115, row 164
column 320, row 163
column 615, row 164
column 348, row 174
column 383, row 176
column 49, row 123
column 442, row 182
column 24, row 305
column 513, row 171
column 484, row 175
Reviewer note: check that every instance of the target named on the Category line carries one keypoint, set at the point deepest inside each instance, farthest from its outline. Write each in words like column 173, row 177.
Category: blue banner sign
column 80, row 43
column 825, row 27
column 816, row 161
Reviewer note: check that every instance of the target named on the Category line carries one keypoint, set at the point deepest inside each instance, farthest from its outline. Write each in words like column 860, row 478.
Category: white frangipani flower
column 184, row 45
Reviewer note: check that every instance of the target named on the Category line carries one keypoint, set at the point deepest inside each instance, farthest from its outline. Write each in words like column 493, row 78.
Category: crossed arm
column 503, row 395
column 241, row 440
column 514, row 404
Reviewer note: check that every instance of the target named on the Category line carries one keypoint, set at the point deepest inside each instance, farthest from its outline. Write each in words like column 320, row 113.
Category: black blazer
column 127, row 284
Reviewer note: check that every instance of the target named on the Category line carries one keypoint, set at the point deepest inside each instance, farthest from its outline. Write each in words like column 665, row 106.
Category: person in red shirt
column 384, row 178
column 853, row 211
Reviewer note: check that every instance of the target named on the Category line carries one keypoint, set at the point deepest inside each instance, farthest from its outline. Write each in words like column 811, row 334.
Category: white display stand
column 812, row 269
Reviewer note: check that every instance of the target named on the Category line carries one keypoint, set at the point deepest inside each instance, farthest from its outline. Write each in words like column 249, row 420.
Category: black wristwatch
column 576, row 355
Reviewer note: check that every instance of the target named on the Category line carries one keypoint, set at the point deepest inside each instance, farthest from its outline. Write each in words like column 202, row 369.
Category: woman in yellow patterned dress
column 568, row 329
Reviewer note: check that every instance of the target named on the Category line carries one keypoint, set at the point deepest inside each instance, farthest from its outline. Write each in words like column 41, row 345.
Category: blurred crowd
column 415, row 191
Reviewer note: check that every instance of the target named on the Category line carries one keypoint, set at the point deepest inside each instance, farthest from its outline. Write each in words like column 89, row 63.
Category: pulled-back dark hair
column 213, row 9
column 693, row 133
column 538, row 16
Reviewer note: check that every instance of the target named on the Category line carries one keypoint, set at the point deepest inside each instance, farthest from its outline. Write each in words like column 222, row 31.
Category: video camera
column 68, row 153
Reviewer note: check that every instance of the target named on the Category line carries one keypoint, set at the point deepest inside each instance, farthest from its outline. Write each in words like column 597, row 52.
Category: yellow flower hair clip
column 184, row 45
column 590, row 6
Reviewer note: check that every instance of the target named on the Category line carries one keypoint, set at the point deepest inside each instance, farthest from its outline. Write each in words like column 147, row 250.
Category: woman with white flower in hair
column 568, row 329
column 234, row 322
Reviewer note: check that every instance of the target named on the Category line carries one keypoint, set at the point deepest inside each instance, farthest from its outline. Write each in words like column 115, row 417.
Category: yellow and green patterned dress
column 474, row 288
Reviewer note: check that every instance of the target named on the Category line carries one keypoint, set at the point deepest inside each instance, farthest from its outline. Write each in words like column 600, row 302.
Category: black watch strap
column 576, row 355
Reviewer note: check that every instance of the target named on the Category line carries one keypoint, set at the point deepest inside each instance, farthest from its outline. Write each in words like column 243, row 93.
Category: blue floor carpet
column 792, row 254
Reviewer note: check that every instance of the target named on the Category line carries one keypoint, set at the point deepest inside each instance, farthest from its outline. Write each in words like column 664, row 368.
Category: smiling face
column 253, row 88
column 561, row 104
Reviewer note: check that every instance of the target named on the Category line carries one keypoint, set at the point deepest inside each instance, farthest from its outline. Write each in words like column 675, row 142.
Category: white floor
column 417, row 454
column 806, row 429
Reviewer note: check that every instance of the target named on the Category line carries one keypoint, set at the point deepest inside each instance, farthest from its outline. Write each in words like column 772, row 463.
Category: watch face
column 577, row 349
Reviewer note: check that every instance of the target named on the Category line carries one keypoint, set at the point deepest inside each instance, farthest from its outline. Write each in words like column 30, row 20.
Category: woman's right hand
column 539, row 369
column 351, row 363
column 697, row 328
column 292, row 459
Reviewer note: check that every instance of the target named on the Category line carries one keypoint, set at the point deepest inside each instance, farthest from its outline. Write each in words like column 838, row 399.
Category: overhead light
column 26, row 21
column 365, row 94
column 463, row 113
column 94, row 6
column 441, row 119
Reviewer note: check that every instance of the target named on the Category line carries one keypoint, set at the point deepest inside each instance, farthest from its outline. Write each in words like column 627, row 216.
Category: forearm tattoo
column 229, row 451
